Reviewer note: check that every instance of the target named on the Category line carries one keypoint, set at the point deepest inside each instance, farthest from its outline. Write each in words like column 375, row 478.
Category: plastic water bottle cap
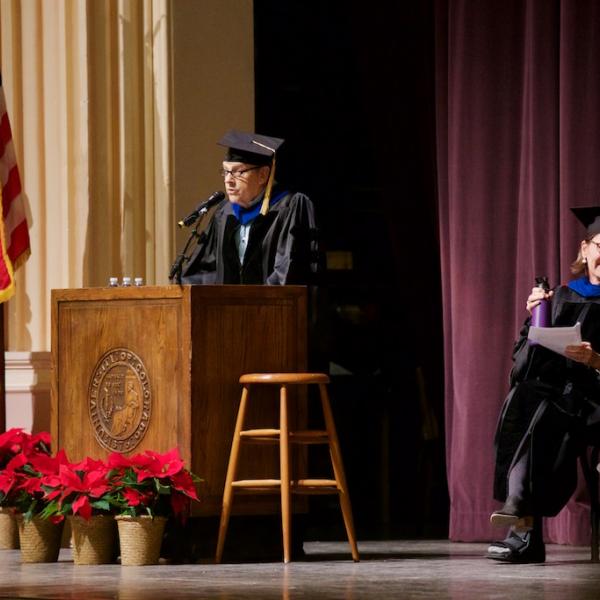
column 126, row 281
column 113, row 281
column 138, row 281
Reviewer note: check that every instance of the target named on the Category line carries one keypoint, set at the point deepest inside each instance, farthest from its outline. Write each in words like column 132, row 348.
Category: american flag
column 14, row 231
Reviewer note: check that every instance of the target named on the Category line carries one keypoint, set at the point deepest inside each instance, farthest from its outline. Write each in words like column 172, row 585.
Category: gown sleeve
column 521, row 354
column 522, row 350
column 296, row 253
column 202, row 265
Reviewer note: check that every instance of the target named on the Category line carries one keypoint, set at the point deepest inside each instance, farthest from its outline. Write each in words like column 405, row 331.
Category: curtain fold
column 88, row 87
column 518, row 129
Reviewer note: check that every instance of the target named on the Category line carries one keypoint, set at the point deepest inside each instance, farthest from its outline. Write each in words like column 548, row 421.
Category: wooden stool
column 285, row 486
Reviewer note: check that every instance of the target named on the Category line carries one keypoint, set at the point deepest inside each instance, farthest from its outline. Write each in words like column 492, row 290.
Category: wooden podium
column 157, row 367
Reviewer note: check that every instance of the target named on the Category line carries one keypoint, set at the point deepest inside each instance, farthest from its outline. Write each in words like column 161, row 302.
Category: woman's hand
column 583, row 353
column 537, row 295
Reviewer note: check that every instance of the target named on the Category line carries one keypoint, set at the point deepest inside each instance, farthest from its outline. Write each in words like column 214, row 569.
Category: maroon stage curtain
column 518, row 121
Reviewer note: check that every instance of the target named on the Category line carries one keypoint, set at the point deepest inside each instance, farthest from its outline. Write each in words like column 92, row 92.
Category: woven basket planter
column 9, row 532
column 94, row 540
column 140, row 539
column 39, row 539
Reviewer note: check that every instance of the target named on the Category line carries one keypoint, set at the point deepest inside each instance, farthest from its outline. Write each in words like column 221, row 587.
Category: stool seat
column 289, row 378
column 282, row 436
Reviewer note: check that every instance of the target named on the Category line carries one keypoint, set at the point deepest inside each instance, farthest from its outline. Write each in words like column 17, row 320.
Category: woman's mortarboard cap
column 250, row 148
column 590, row 217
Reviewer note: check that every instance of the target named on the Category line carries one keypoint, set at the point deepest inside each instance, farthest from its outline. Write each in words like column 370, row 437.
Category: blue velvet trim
column 584, row 288
column 246, row 215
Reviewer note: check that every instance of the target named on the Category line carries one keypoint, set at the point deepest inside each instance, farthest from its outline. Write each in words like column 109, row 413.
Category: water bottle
column 113, row 282
column 540, row 315
column 138, row 281
column 126, row 282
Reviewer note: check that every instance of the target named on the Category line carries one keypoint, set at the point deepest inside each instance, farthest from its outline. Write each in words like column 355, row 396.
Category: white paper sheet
column 556, row 338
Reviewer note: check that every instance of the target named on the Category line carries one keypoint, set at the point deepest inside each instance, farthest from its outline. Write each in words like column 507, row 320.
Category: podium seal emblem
column 119, row 400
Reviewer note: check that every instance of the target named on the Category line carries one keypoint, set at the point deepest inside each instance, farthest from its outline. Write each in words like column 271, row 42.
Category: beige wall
column 116, row 107
column 213, row 77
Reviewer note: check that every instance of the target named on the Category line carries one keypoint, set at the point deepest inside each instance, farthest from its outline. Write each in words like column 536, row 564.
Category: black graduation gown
column 552, row 410
column 282, row 246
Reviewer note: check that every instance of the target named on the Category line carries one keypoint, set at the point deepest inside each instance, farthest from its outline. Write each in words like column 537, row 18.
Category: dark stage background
column 352, row 92
column 443, row 142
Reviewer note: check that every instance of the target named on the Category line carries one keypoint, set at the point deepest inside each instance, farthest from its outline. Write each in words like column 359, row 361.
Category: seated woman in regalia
column 552, row 410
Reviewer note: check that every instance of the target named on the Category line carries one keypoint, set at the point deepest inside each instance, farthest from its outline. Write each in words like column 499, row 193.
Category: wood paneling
column 194, row 342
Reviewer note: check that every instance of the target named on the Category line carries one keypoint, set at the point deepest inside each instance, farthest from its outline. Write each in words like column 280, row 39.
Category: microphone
column 201, row 209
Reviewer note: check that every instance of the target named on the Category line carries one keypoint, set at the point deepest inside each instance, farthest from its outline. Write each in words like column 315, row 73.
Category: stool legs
column 231, row 472
column 284, row 466
column 306, row 486
column 338, row 471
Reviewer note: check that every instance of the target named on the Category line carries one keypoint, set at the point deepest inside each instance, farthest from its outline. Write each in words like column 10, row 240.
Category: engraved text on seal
column 119, row 400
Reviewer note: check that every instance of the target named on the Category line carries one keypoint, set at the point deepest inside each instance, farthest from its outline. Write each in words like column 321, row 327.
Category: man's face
column 244, row 182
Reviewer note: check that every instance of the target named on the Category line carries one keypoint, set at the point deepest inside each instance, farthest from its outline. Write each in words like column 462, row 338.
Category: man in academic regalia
column 262, row 233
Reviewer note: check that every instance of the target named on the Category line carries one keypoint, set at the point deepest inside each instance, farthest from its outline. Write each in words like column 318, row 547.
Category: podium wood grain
column 195, row 342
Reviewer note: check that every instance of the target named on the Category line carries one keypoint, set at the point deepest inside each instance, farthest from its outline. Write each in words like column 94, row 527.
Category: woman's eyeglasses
column 597, row 244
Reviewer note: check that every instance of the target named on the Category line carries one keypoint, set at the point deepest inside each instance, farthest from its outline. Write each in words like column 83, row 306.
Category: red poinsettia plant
column 153, row 484
column 80, row 489
column 22, row 481
column 17, row 440
column 17, row 449
column 33, row 482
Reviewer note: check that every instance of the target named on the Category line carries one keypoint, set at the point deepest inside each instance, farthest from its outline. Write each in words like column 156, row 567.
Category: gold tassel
column 264, row 208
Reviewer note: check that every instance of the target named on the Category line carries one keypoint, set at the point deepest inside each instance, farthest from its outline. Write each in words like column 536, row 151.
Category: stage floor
column 391, row 569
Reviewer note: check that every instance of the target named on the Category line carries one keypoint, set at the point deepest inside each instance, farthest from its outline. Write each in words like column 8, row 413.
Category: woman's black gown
column 551, row 412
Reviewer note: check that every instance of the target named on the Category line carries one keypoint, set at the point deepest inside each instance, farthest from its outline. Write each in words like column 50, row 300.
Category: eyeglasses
column 236, row 174
column 597, row 244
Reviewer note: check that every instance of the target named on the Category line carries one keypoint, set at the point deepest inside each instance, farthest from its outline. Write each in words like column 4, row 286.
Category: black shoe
column 514, row 510
column 519, row 548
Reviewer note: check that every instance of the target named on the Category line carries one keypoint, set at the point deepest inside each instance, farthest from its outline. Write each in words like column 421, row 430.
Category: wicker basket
column 39, row 539
column 94, row 540
column 9, row 533
column 140, row 539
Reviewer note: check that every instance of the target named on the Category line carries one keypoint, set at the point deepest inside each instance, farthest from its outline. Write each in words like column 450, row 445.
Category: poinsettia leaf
column 161, row 488
column 118, row 461
column 52, row 494
column 82, row 507
column 16, row 462
column 129, row 478
column 101, row 505
column 52, row 508
column 28, row 514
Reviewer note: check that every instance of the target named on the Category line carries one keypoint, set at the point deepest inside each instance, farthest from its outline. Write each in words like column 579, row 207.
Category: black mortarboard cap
column 590, row 217
column 250, row 148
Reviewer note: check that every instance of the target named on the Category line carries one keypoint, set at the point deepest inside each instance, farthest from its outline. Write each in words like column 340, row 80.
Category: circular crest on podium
column 119, row 400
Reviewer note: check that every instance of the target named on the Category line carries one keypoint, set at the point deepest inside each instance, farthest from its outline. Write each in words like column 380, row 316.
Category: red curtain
column 518, row 121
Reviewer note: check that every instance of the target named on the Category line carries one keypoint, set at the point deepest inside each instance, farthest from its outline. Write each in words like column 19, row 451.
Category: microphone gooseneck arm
column 177, row 266
column 201, row 209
